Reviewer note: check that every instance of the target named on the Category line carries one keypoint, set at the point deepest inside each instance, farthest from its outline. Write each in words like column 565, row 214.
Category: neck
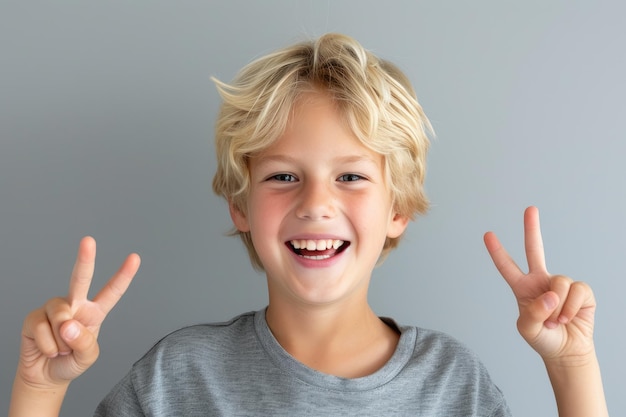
column 348, row 340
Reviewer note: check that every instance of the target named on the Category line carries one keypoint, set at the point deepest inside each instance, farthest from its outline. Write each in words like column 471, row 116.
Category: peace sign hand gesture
column 59, row 340
column 556, row 314
column 556, row 317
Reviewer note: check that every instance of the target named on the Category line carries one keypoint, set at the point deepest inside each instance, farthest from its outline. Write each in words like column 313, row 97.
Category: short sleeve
column 122, row 401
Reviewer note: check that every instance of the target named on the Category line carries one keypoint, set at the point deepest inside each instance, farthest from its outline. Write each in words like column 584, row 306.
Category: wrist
column 571, row 363
column 577, row 384
column 28, row 399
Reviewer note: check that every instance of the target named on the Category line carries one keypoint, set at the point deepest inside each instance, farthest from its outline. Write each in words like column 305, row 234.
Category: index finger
column 502, row 260
column 80, row 280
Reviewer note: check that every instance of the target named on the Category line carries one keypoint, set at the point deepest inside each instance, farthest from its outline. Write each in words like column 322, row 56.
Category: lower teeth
column 316, row 257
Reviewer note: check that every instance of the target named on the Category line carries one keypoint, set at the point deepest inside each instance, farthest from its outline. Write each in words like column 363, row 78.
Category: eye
column 350, row 177
column 283, row 178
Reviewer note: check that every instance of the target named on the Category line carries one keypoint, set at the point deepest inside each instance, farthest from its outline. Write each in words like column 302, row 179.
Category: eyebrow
column 339, row 159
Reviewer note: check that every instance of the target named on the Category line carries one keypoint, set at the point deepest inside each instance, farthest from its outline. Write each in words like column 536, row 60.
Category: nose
column 316, row 201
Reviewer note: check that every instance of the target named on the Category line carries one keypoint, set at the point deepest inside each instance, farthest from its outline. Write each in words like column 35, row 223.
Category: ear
column 397, row 225
column 239, row 218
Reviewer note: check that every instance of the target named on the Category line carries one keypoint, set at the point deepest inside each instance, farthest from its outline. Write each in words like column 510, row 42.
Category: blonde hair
column 375, row 98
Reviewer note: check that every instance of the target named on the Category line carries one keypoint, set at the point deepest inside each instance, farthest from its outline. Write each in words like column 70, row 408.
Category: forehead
column 316, row 132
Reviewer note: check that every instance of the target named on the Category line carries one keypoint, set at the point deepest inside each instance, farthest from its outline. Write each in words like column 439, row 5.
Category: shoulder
column 191, row 360
column 442, row 345
column 200, row 343
column 201, row 332
column 436, row 354
column 441, row 366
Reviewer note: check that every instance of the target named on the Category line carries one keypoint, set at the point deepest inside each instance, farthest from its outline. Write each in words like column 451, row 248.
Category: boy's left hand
column 556, row 314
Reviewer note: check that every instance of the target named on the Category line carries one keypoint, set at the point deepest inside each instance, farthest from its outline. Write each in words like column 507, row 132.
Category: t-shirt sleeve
column 121, row 401
column 502, row 411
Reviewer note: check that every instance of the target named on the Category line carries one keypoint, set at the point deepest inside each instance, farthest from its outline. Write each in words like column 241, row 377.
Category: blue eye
column 349, row 177
column 283, row 178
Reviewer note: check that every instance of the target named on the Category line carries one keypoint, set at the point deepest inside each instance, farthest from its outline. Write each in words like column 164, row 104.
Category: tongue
column 305, row 252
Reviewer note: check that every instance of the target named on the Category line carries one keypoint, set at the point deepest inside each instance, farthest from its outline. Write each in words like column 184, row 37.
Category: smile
column 317, row 249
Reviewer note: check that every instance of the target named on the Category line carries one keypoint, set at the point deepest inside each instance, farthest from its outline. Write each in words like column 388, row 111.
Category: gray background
column 106, row 117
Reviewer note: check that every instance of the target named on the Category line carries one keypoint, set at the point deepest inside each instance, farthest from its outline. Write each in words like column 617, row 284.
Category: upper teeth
column 321, row 244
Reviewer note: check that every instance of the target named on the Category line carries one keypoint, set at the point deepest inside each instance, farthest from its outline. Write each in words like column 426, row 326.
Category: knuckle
column 581, row 286
column 562, row 279
column 42, row 335
column 584, row 291
column 57, row 309
column 41, row 328
column 34, row 317
column 560, row 284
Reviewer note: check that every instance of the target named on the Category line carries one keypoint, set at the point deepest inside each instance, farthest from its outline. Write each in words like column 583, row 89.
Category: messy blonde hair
column 373, row 96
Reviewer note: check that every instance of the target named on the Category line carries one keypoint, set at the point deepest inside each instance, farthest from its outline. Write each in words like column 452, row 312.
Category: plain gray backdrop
column 106, row 120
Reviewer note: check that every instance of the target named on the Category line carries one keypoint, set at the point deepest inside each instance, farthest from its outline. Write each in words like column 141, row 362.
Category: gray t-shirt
column 238, row 368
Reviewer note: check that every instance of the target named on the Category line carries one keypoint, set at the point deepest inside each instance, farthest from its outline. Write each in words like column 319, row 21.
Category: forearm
column 578, row 388
column 28, row 401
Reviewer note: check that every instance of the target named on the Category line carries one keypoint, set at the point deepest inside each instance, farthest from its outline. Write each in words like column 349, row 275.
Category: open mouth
column 317, row 249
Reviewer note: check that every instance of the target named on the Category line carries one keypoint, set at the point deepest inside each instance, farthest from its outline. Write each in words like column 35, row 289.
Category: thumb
column 533, row 317
column 83, row 343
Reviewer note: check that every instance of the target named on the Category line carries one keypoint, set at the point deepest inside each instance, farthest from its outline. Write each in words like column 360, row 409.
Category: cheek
column 375, row 206
column 265, row 213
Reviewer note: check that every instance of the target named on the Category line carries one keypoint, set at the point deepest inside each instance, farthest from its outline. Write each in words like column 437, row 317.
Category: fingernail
column 551, row 324
column 71, row 332
column 549, row 303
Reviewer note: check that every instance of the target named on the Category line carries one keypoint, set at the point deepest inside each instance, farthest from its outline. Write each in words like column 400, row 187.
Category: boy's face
column 319, row 209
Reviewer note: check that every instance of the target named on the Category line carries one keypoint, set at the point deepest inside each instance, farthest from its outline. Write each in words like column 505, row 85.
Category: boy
column 321, row 156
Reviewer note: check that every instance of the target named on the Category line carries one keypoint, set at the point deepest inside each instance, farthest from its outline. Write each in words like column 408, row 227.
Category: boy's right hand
column 59, row 340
